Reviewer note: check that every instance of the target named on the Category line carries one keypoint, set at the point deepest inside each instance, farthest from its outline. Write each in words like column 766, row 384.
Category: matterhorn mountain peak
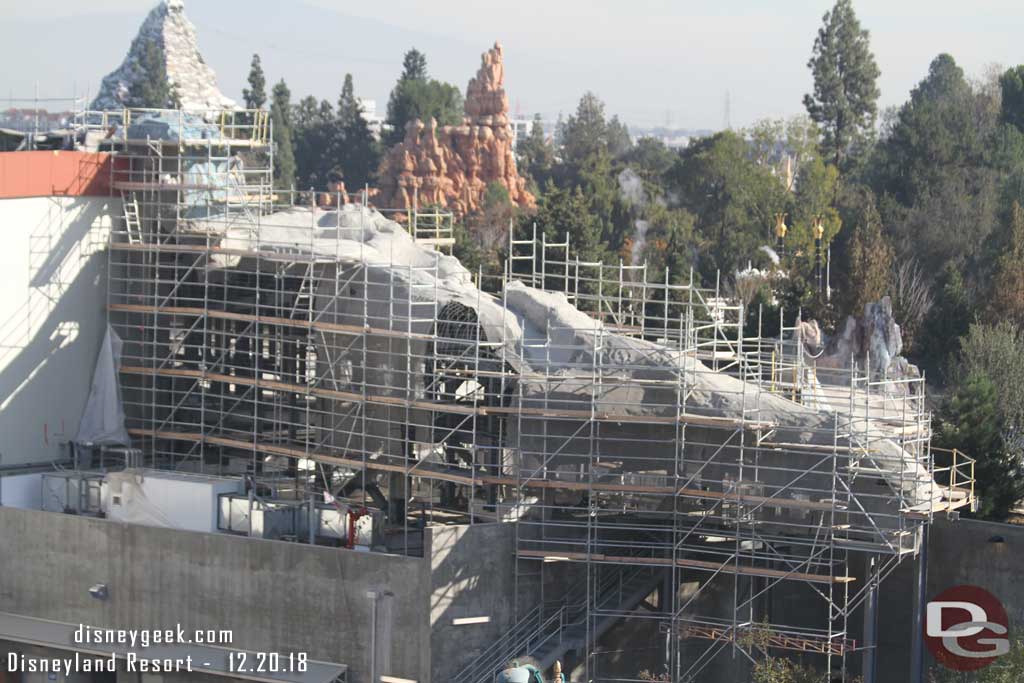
column 192, row 79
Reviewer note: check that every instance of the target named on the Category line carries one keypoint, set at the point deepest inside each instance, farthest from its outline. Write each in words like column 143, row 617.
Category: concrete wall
column 959, row 553
column 273, row 595
column 472, row 575
column 52, row 318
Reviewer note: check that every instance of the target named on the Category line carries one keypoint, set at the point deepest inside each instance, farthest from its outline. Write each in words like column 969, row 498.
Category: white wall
column 22, row 491
column 167, row 499
column 52, row 318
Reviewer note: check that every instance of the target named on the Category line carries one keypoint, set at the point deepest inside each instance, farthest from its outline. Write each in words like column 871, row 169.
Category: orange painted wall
column 54, row 173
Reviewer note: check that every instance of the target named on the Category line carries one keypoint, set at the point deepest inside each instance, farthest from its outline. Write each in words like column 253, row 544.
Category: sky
column 653, row 62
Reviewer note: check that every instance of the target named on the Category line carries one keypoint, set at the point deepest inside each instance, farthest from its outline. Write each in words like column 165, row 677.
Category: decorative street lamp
column 818, row 227
column 780, row 232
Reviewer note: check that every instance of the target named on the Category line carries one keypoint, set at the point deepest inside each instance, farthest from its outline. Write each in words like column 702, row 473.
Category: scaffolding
column 648, row 440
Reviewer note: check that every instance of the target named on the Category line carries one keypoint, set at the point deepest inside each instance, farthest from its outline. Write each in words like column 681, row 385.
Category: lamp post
column 818, row 226
column 780, row 232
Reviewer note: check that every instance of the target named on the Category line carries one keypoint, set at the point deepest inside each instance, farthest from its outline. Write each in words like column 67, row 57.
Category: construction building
column 310, row 425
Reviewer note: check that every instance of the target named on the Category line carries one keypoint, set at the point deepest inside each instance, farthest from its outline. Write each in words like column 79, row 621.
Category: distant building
column 521, row 128
column 673, row 138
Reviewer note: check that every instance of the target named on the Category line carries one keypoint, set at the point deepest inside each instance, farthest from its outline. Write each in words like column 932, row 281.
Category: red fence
column 54, row 173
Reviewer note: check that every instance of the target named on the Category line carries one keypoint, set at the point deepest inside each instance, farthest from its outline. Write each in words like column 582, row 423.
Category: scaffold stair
column 546, row 636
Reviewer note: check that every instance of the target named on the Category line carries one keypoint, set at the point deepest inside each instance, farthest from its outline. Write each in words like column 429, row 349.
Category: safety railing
column 957, row 478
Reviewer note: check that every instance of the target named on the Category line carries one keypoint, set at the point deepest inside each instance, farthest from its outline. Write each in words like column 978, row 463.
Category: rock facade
column 871, row 340
column 193, row 78
column 451, row 166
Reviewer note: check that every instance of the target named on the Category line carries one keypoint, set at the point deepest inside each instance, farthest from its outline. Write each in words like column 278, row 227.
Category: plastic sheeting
column 132, row 504
column 173, row 126
column 103, row 419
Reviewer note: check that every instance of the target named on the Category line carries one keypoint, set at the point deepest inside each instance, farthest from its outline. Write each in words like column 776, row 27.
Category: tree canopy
column 153, row 89
column 256, row 94
column 416, row 96
column 844, row 101
column 281, row 119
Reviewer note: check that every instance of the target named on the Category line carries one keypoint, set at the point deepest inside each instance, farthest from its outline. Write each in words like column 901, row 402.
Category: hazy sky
column 653, row 62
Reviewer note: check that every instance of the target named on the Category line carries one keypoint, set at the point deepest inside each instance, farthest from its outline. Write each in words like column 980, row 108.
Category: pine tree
column 845, row 99
column 935, row 169
column 318, row 142
column 153, row 89
column 417, row 97
column 1006, row 300
column 348, row 106
column 255, row 95
column 870, row 262
column 619, row 141
column 284, row 158
column 948, row 320
column 1012, row 87
column 536, row 155
column 586, row 131
column 414, row 66
column 971, row 421
column 358, row 150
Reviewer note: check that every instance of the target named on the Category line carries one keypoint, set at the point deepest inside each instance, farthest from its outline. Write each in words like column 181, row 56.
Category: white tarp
column 103, row 419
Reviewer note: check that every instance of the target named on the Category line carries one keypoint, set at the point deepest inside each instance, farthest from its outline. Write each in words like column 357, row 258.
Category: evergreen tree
column 318, row 142
column 947, row 321
column 586, row 132
column 536, row 155
column 1006, row 300
column 1012, row 87
column 255, row 95
column 348, row 106
column 284, row 156
column 670, row 243
column 619, row 141
column 934, row 131
column 417, row 97
column 732, row 197
column 359, row 152
column 844, row 102
column 414, row 66
column 153, row 89
column 934, row 168
column 651, row 159
column 970, row 422
column 870, row 262
column 997, row 352
column 562, row 211
column 608, row 211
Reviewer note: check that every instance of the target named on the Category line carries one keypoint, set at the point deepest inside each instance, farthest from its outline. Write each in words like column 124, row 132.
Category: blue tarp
column 172, row 126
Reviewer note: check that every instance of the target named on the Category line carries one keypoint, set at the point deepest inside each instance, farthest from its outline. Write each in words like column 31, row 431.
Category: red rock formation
column 451, row 166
